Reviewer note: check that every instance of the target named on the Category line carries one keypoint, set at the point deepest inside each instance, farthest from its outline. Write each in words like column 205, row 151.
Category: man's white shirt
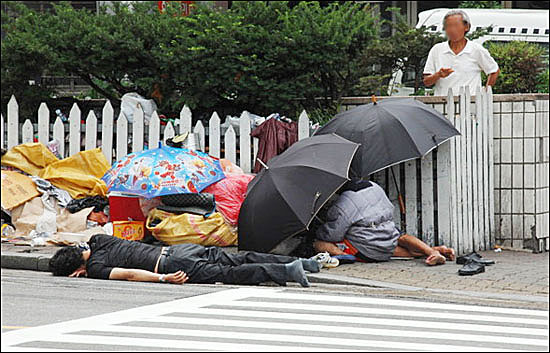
column 467, row 66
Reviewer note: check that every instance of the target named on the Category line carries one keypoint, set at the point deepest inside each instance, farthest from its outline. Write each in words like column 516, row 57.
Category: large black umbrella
column 390, row 131
column 283, row 198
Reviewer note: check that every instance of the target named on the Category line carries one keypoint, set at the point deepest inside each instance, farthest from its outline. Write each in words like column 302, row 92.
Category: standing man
column 458, row 61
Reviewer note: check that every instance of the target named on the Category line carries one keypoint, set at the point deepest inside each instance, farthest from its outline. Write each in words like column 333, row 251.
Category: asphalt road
column 31, row 298
column 44, row 312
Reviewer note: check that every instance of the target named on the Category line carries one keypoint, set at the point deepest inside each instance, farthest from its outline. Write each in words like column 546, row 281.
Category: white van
column 508, row 25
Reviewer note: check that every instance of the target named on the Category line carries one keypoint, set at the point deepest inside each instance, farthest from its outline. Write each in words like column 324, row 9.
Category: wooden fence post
column 107, row 131
column 2, row 131
column 91, row 131
column 214, row 135
column 186, row 120
column 13, row 123
column 490, row 166
column 169, row 132
column 244, row 141
column 229, row 145
column 43, row 123
column 138, row 129
column 121, row 136
column 27, row 132
column 154, row 131
column 59, row 135
column 199, row 133
column 74, row 130
column 303, row 125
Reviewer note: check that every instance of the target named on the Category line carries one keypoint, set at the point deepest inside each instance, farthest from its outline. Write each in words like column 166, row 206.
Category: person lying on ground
column 360, row 223
column 108, row 257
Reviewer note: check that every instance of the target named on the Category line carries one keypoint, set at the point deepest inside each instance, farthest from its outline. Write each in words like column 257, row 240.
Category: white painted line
column 342, row 309
column 42, row 333
column 409, row 303
column 331, row 327
column 334, row 319
column 179, row 344
column 301, row 341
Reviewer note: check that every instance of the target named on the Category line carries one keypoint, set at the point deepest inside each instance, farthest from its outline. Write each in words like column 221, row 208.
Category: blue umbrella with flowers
column 163, row 171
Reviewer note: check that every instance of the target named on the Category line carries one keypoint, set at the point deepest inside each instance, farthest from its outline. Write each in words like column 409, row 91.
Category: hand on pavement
column 179, row 277
column 78, row 273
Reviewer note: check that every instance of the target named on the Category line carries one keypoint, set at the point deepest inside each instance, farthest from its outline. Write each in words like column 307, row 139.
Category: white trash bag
column 130, row 102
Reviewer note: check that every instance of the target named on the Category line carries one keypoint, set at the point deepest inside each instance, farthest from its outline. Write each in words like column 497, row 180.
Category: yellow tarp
column 79, row 174
column 190, row 228
column 29, row 157
column 16, row 189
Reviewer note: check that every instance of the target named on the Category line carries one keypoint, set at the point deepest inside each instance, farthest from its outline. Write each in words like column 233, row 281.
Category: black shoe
column 471, row 268
column 461, row 260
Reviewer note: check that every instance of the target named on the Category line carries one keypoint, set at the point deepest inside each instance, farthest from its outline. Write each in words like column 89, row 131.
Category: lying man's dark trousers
column 212, row 264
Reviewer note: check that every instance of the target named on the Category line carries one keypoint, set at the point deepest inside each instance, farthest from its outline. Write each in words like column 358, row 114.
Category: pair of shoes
column 326, row 260
column 473, row 256
column 470, row 268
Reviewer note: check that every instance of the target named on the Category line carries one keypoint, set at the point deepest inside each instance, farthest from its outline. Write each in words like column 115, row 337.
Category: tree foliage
column 521, row 65
column 258, row 56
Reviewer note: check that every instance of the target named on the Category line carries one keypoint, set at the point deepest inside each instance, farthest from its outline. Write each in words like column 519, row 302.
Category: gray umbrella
column 391, row 131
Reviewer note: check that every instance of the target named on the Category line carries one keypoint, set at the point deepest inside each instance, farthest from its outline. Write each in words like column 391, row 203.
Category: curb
column 33, row 262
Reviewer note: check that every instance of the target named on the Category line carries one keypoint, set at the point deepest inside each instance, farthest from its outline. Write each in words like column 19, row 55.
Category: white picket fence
column 447, row 194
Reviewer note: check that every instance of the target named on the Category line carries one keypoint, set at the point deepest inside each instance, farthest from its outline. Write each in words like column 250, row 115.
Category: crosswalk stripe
column 186, row 344
column 298, row 339
column 373, row 321
column 331, row 327
column 405, row 303
column 358, row 310
column 266, row 319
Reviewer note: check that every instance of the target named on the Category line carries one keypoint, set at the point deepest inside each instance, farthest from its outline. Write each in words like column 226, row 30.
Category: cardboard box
column 129, row 230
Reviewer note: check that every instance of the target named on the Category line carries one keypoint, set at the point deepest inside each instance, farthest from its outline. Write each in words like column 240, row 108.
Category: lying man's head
column 66, row 261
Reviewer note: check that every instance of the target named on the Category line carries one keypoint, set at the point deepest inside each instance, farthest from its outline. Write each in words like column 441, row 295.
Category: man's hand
column 78, row 273
column 430, row 80
column 443, row 72
column 179, row 277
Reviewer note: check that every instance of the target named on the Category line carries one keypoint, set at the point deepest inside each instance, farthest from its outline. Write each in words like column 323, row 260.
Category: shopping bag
column 190, row 228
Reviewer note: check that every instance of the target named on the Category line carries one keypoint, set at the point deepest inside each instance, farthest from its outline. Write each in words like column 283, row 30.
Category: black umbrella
column 284, row 197
column 390, row 132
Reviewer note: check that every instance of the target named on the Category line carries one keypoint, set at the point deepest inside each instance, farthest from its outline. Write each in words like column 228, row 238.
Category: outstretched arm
column 137, row 275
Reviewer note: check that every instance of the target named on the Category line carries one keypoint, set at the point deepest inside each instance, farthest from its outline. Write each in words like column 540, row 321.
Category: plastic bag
column 98, row 202
column 230, row 193
column 189, row 228
column 79, row 174
column 29, row 157
column 229, row 167
column 129, row 103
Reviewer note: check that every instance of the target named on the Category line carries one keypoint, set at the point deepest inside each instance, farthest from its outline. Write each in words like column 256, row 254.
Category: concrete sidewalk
column 516, row 273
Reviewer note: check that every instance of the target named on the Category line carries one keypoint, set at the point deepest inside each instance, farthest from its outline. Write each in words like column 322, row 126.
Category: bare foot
column 435, row 259
column 449, row 253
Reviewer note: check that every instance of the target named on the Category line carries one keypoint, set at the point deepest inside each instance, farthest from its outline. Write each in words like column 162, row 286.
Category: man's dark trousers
column 212, row 264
